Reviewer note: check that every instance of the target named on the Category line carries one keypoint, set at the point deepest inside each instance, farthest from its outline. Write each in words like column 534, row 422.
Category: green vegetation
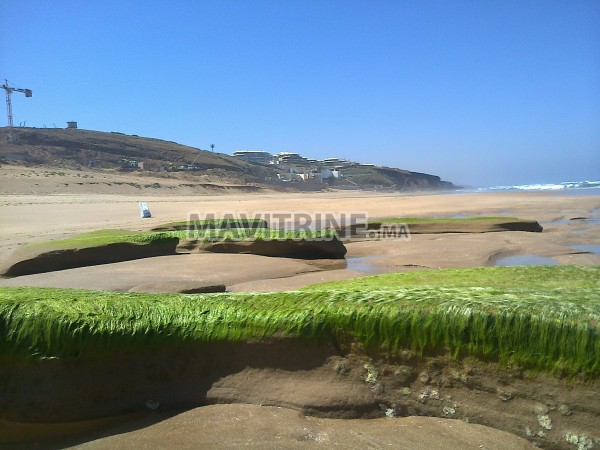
column 521, row 323
column 106, row 237
column 570, row 278
column 265, row 234
column 214, row 230
column 440, row 219
column 367, row 176
column 391, row 178
column 212, row 223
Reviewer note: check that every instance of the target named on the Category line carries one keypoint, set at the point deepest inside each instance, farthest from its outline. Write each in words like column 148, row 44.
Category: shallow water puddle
column 525, row 260
column 557, row 222
column 592, row 248
column 361, row 264
column 593, row 219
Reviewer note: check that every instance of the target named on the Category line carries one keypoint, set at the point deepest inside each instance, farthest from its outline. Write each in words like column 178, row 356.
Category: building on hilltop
column 331, row 163
column 290, row 158
column 297, row 168
column 254, row 156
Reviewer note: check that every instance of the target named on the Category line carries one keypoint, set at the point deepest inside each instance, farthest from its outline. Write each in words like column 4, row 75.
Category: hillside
column 391, row 178
column 152, row 160
column 75, row 148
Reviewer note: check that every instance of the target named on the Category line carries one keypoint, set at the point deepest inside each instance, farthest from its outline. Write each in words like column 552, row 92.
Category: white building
column 290, row 158
column 254, row 156
column 331, row 163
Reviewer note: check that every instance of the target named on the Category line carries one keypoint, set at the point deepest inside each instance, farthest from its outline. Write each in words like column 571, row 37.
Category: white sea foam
column 547, row 187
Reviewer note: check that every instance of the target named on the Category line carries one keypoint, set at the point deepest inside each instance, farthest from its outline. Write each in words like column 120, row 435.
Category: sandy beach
column 568, row 221
column 28, row 218
column 291, row 225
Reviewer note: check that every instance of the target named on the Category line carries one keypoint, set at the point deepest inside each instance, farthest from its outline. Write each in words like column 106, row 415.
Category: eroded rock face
column 32, row 260
column 288, row 248
column 269, row 427
column 475, row 226
column 316, row 379
column 183, row 287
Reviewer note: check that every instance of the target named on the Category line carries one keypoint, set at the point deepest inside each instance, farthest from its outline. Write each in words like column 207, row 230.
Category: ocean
column 566, row 187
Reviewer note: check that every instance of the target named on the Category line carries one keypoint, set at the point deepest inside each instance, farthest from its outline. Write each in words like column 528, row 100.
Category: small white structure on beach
column 144, row 210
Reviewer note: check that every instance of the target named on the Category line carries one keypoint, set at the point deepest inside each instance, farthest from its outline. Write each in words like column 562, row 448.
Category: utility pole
column 9, row 90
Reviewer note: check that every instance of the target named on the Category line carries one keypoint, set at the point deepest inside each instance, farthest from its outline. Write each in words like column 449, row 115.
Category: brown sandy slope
column 44, row 180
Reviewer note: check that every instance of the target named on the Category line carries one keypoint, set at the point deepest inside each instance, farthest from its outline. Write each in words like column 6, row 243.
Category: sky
column 479, row 92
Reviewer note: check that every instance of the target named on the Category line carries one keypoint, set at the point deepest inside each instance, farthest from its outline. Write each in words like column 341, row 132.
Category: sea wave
column 547, row 187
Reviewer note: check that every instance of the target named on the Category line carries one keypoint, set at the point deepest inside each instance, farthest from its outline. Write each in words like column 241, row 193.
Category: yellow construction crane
column 9, row 90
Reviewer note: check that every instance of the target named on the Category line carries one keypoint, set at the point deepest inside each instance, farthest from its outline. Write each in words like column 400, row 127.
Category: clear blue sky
column 480, row 92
